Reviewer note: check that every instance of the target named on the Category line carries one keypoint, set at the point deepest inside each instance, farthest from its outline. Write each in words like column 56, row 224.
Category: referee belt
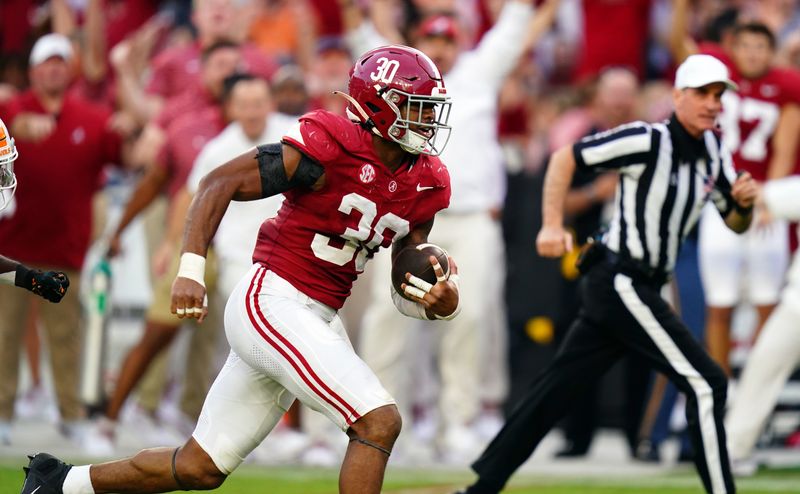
column 636, row 269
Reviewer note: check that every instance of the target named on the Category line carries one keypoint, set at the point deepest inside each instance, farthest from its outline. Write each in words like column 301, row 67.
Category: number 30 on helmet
column 8, row 153
column 392, row 92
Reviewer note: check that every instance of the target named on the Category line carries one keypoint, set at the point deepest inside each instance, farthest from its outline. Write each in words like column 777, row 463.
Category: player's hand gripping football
column 51, row 285
column 553, row 241
column 188, row 299
column 440, row 299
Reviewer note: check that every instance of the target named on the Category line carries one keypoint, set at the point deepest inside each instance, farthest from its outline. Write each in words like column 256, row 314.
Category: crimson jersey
column 320, row 240
column 750, row 116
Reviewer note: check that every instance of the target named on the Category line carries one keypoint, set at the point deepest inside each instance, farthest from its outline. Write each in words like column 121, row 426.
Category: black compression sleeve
column 273, row 173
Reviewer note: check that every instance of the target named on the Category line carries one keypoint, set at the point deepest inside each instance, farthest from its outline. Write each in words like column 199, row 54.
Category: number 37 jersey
column 320, row 240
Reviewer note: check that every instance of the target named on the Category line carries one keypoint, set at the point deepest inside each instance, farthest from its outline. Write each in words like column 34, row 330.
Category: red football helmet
column 390, row 85
column 8, row 153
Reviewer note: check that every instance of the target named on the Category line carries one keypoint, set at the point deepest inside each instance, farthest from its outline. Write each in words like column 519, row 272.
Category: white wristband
column 192, row 266
column 455, row 279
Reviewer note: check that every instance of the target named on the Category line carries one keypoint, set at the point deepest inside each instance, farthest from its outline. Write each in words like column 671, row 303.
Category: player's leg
column 60, row 323
column 156, row 337
column 302, row 344
column 586, row 353
column 468, row 238
column 649, row 327
column 767, row 262
column 773, row 358
column 14, row 305
column 721, row 259
column 160, row 330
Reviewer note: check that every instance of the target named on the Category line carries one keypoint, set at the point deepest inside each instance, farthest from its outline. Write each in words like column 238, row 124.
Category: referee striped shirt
column 666, row 176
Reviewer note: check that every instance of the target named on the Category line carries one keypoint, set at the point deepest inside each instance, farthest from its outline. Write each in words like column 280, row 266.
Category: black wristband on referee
column 743, row 211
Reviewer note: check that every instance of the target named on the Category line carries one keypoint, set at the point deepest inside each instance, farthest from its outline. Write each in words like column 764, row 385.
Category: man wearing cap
column 64, row 142
column 470, row 352
column 668, row 171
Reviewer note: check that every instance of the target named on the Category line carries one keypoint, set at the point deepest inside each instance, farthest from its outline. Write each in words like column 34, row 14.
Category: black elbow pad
column 273, row 173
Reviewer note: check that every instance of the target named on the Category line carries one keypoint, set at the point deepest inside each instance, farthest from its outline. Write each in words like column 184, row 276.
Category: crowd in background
column 157, row 93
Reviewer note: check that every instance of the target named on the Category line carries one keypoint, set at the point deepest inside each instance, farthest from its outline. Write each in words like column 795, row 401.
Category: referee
column 667, row 173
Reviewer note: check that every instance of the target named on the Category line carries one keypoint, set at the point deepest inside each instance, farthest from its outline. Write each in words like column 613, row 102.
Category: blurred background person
column 613, row 103
column 47, row 121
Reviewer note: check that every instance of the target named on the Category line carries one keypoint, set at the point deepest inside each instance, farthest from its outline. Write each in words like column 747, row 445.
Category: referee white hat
column 701, row 70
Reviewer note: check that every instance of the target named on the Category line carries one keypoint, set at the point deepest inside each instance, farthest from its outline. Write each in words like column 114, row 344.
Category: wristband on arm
column 408, row 307
column 193, row 267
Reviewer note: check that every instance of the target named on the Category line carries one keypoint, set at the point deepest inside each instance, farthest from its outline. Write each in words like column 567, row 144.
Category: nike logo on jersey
column 420, row 188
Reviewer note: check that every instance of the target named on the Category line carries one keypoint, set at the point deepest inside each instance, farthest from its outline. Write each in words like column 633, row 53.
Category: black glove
column 51, row 285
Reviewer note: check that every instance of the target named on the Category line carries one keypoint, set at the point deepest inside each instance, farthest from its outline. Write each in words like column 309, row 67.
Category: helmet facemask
column 8, row 181
column 415, row 135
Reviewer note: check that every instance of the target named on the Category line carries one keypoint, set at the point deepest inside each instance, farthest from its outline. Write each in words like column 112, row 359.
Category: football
column 415, row 259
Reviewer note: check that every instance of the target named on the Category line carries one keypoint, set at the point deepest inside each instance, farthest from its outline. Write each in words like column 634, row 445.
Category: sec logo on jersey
column 367, row 173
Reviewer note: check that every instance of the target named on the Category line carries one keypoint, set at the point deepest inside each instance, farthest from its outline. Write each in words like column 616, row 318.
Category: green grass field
column 255, row 480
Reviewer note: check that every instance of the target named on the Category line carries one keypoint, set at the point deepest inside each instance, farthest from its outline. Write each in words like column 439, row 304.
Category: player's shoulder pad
column 433, row 169
column 322, row 135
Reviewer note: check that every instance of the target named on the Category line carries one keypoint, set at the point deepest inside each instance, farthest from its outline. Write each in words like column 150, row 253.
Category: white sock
column 78, row 481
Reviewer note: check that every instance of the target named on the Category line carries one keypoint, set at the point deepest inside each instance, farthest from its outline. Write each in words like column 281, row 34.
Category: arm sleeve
column 500, row 48
column 782, row 197
column 616, row 148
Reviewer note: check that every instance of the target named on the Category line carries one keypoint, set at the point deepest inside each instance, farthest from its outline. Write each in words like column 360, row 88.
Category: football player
column 51, row 285
column 351, row 186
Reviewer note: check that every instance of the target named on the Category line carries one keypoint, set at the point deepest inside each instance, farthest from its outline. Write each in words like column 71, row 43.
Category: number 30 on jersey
column 367, row 238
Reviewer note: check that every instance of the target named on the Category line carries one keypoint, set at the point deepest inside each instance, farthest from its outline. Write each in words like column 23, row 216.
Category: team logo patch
column 392, row 186
column 367, row 173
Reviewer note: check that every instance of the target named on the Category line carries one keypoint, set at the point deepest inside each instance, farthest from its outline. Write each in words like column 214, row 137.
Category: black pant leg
column 649, row 327
column 585, row 355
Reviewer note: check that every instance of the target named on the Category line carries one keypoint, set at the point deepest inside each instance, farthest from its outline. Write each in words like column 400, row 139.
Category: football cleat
column 44, row 474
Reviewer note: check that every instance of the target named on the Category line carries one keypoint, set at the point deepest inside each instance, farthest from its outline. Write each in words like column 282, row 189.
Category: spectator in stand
column 185, row 137
column 48, row 122
column 176, row 68
column 289, row 91
column 613, row 104
column 760, row 123
column 285, row 31
column 329, row 73
column 614, row 34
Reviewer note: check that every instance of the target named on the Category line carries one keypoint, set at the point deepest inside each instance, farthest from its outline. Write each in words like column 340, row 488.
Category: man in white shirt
column 471, row 348
column 253, row 122
column 776, row 353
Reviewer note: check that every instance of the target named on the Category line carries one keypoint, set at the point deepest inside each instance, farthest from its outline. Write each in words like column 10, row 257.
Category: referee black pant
column 621, row 313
